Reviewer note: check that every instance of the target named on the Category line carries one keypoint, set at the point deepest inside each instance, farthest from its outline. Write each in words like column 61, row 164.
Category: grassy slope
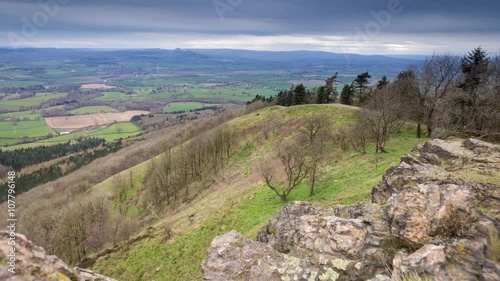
column 240, row 201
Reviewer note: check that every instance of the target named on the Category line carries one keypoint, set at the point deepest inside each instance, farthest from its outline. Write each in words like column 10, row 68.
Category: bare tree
column 359, row 135
column 414, row 99
column 293, row 160
column 317, row 133
column 120, row 192
column 383, row 115
column 436, row 78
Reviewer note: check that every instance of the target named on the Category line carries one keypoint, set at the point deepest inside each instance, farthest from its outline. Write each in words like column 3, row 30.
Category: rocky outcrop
column 436, row 214
column 32, row 263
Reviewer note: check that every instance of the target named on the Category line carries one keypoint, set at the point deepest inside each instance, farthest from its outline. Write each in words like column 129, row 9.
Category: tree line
column 50, row 173
column 459, row 94
column 455, row 94
column 24, row 157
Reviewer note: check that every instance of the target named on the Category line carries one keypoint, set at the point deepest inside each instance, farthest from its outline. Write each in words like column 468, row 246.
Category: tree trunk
column 313, row 181
column 419, row 129
column 430, row 116
column 429, row 130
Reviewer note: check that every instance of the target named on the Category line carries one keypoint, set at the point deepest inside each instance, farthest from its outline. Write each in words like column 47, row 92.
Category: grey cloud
column 194, row 19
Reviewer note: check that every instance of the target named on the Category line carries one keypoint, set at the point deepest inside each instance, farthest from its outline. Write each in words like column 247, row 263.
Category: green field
column 112, row 96
column 184, row 106
column 93, row 109
column 22, row 115
column 11, row 132
column 32, row 101
column 116, row 131
column 109, row 133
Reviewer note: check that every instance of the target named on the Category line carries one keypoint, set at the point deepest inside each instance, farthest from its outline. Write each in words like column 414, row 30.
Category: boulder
column 435, row 215
column 33, row 263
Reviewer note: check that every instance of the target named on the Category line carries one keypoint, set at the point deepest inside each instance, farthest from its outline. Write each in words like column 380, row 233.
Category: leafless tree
column 383, row 115
column 413, row 101
column 293, row 160
column 358, row 135
column 120, row 192
column 436, row 78
column 316, row 131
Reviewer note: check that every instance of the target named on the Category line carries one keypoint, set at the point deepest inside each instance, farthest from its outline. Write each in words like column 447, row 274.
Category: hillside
column 236, row 198
column 432, row 217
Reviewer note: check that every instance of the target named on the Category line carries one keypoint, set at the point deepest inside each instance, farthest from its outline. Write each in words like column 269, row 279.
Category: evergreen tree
column 382, row 82
column 331, row 92
column 299, row 95
column 346, row 95
column 321, row 95
column 474, row 67
column 361, row 83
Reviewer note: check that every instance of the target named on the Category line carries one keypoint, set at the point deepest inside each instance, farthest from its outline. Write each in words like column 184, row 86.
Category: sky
column 342, row 26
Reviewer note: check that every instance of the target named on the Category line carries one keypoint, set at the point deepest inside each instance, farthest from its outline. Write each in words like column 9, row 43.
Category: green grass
column 183, row 106
column 32, row 101
column 112, row 96
column 28, row 114
column 93, row 109
column 11, row 132
column 355, row 176
column 109, row 133
column 345, row 179
column 116, row 131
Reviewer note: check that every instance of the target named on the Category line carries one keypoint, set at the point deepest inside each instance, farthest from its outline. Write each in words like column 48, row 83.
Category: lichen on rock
column 435, row 215
column 32, row 263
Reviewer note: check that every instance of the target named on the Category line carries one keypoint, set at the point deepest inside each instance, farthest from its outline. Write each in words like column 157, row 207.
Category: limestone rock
column 435, row 214
column 32, row 263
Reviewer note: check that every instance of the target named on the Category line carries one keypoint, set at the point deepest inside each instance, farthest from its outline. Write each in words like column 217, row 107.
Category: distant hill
column 349, row 63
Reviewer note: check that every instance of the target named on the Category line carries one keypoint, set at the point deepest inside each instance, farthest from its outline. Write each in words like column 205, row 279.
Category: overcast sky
column 355, row 26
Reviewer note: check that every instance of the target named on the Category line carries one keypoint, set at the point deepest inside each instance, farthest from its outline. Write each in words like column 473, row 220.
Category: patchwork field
column 96, row 119
column 109, row 133
column 13, row 104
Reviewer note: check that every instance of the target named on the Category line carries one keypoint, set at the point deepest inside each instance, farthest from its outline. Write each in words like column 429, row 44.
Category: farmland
column 45, row 91
column 184, row 106
column 111, row 96
column 109, row 133
column 95, row 119
column 11, row 103
column 93, row 109
column 13, row 132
